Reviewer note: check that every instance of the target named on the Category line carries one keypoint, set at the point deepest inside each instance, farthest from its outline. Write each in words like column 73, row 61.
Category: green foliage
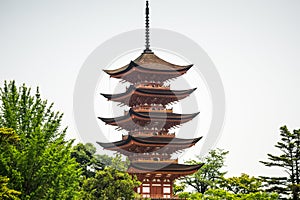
column 210, row 174
column 39, row 165
column 103, row 177
column 5, row 192
column 178, row 187
column 220, row 194
column 8, row 136
column 259, row 196
column 109, row 184
column 289, row 146
column 216, row 194
column 89, row 162
column 241, row 185
column 210, row 183
column 84, row 155
column 190, row 196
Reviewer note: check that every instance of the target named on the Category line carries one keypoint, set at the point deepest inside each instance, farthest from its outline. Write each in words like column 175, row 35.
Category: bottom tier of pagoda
column 151, row 162
column 158, row 178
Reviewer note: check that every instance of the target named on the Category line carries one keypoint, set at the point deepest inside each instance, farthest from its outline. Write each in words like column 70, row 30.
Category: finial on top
column 147, row 30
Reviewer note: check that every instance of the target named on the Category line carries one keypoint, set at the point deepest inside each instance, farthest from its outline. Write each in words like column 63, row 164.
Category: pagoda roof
column 132, row 143
column 133, row 120
column 149, row 63
column 173, row 168
column 157, row 95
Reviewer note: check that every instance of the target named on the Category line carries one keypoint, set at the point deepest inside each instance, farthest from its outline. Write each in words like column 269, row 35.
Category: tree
column 90, row 162
column 5, row 192
column 217, row 194
column 8, row 138
column 210, row 183
column 289, row 160
column 178, row 187
column 84, row 154
column 207, row 176
column 40, row 164
column 109, row 184
column 241, row 185
column 103, row 177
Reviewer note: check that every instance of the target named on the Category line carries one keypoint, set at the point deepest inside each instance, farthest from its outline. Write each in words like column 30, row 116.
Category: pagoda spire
column 147, row 30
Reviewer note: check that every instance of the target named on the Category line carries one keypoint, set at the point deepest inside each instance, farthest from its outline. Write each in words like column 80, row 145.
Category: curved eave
column 166, row 141
column 159, row 167
column 149, row 115
column 145, row 91
column 168, row 69
column 159, row 115
column 150, row 141
column 115, row 72
column 147, row 69
column 114, row 119
column 165, row 92
column 129, row 91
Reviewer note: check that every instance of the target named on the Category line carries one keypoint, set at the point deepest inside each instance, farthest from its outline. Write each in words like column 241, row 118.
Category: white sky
column 254, row 44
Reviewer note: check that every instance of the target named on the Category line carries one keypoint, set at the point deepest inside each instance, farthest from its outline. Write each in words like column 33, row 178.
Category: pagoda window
column 146, row 189
column 156, row 159
column 167, row 190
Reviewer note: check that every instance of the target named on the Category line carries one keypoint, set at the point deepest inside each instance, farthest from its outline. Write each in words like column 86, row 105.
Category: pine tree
column 210, row 174
column 289, row 160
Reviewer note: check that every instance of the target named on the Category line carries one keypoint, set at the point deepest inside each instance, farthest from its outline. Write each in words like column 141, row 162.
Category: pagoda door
column 156, row 190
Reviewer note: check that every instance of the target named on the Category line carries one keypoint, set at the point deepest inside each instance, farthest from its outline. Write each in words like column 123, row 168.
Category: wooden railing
column 152, row 109
column 155, row 161
column 149, row 134
column 156, row 86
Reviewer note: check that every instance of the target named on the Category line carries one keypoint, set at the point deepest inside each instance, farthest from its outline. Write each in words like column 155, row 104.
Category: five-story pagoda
column 149, row 145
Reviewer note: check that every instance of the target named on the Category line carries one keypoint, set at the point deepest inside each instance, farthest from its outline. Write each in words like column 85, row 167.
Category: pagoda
column 149, row 144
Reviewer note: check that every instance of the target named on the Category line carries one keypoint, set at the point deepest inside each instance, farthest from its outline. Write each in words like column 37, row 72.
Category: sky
column 254, row 46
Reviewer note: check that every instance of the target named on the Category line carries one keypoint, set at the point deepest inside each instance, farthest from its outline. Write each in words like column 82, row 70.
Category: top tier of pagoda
column 148, row 67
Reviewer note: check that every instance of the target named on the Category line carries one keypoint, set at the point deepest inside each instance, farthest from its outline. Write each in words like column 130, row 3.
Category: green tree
column 103, row 177
column 40, row 164
column 190, row 195
column 289, row 160
column 8, row 138
column 90, row 162
column 217, row 194
column 5, row 192
column 243, row 184
column 109, row 184
column 178, row 187
column 210, row 174
column 84, row 154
